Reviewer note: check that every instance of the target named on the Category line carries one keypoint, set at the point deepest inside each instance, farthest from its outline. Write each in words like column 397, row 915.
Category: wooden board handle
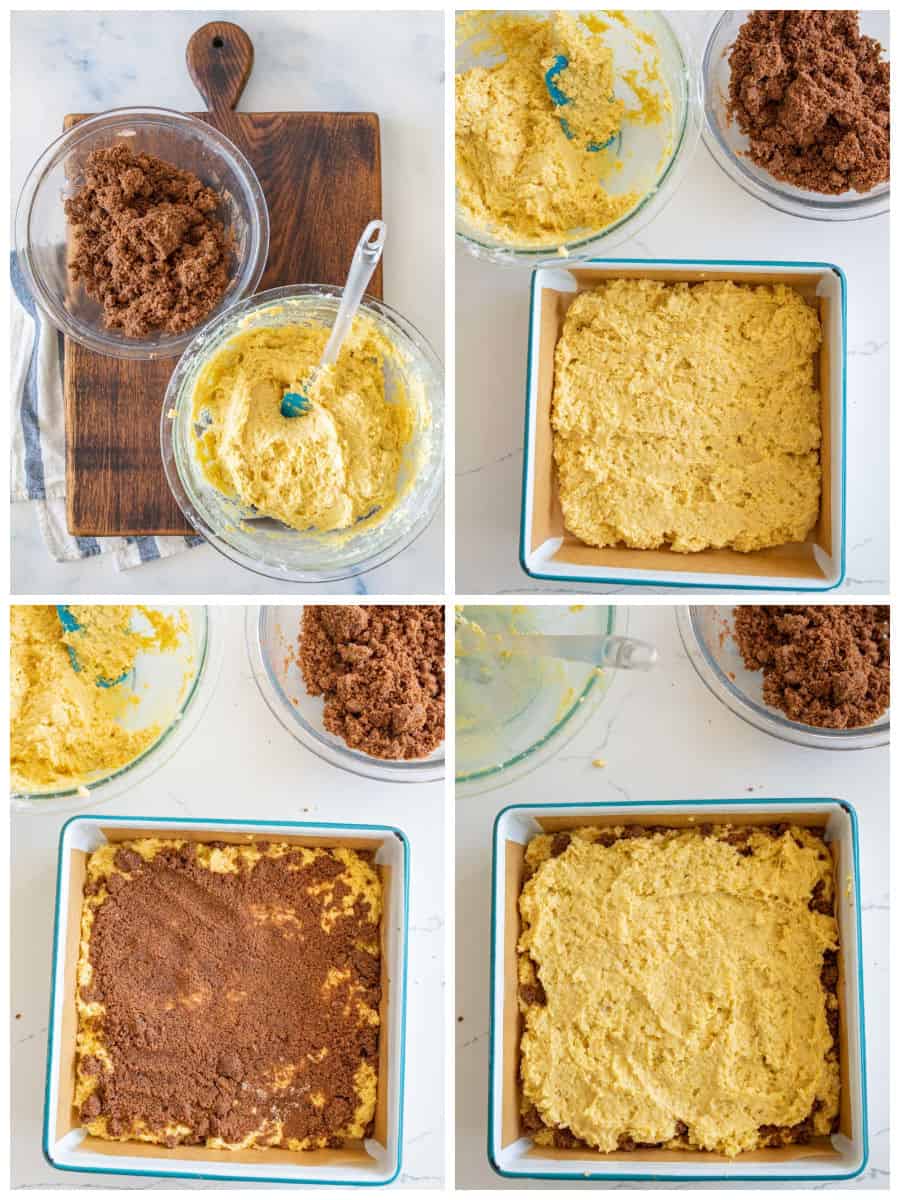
column 220, row 59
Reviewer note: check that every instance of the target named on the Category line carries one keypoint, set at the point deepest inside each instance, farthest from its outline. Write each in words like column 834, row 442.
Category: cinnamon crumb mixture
column 229, row 995
column 813, row 95
column 146, row 243
column 381, row 670
column 825, row 665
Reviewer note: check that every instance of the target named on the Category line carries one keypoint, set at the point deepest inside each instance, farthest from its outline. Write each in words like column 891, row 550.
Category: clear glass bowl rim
column 558, row 736
column 164, row 346
column 176, row 733
column 760, row 717
column 645, row 210
column 424, row 770
column 431, row 497
column 771, row 191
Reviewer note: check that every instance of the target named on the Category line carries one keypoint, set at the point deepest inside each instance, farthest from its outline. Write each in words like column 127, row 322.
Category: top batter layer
column 678, row 987
column 526, row 167
column 325, row 470
column 687, row 415
column 228, row 996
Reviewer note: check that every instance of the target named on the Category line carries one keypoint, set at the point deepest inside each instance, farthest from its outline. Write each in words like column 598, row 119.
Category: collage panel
column 299, row 898
column 228, row 892
column 195, row 198
column 672, row 883
column 675, row 227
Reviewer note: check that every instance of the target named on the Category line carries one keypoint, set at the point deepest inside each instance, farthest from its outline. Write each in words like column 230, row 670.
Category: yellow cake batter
column 64, row 728
column 358, row 877
column 325, row 470
column 682, row 982
column 518, row 174
column 688, row 415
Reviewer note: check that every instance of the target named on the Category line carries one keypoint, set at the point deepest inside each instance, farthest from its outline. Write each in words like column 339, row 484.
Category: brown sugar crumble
column 229, row 996
column 812, row 94
column 823, row 665
column 146, row 243
column 381, row 670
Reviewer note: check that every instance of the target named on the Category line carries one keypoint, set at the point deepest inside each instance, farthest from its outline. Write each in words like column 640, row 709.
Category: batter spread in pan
column 687, row 415
column 678, row 988
column 228, row 996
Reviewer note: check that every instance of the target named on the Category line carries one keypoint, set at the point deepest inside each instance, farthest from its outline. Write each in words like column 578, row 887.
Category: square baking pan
column 513, row 1154
column 548, row 551
column 372, row 1162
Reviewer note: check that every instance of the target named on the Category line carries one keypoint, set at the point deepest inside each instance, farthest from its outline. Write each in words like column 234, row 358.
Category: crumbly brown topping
column 824, row 665
column 146, row 243
column 233, row 1001
column 813, row 96
column 381, row 671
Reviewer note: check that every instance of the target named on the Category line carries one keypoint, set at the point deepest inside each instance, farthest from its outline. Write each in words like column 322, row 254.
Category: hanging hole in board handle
column 219, row 60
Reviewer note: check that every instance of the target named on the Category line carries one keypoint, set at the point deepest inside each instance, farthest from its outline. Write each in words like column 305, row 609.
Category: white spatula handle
column 619, row 653
column 365, row 259
column 611, row 651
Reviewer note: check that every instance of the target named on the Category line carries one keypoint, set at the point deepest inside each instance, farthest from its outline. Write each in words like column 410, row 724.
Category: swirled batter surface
column 325, row 470
column 688, row 415
column 64, row 726
column 524, row 170
column 678, row 987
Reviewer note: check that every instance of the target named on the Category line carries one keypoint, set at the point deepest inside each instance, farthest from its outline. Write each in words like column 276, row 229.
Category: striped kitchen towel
column 38, row 470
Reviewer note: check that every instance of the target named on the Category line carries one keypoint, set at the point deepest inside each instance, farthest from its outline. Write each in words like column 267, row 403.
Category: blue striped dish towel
column 38, row 470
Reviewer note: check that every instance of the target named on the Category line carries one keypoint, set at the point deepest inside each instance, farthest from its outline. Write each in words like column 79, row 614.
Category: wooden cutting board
column 321, row 175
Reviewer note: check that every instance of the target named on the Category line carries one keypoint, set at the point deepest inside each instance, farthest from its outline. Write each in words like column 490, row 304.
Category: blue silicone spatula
column 71, row 624
column 607, row 652
column 560, row 99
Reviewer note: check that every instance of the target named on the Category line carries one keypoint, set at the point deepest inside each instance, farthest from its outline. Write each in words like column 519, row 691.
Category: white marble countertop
column 240, row 763
column 390, row 63
column 708, row 217
column 663, row 736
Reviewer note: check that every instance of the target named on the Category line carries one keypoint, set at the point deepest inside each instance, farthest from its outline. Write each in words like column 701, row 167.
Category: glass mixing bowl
column 267, row 546
column 707, row 634
column 524, row 711
column 42, row 235
column 173, row 690
column 649, row 164
column 728, row 145
column 41, row 231
column 272, row 641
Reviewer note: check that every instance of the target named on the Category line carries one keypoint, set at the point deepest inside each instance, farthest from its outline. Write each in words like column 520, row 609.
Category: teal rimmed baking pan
column 511, row 1151
column 548, row 551
column 375, row 1161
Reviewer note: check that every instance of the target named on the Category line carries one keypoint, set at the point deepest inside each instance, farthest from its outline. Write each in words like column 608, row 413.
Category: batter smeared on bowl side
column 66, row 726
column 534, row 172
